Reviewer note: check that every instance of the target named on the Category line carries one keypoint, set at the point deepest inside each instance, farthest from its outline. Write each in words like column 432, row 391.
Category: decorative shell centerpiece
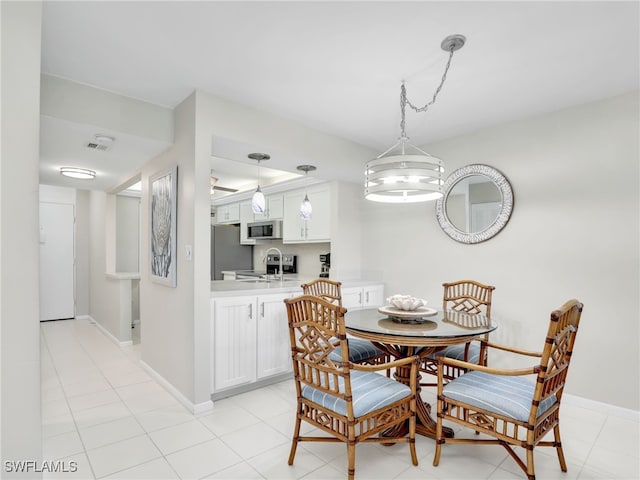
column 406, row 302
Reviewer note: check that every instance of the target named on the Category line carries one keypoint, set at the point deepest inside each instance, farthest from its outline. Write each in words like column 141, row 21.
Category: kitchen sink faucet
column 279, row 261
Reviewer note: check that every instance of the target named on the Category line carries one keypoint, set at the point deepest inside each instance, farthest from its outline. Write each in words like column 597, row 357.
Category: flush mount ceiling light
column 81, row 173
column 306, row 211
column 397, row 176
column 258, row 204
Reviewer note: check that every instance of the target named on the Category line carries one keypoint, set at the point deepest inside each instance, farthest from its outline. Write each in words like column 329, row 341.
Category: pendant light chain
column 404, row 101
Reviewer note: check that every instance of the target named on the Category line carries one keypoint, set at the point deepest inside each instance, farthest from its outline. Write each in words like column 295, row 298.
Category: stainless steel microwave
column 265, row 230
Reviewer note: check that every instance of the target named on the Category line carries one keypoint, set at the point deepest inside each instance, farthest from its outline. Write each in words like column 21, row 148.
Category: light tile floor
column 102, row 411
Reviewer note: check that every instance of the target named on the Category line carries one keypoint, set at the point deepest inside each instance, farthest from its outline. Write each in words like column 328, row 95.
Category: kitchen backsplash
column 308, row 255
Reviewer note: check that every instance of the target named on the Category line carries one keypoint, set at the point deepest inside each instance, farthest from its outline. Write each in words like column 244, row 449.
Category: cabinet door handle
column 360, row 298
column 251, row 310
column 262, row 310
column 367, row 297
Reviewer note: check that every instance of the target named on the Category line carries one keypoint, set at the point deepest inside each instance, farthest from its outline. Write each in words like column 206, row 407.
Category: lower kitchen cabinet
column 363, row 297
column 250, row 340
column 273, row 346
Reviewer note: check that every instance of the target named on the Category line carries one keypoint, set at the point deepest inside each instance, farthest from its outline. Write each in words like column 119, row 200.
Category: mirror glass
column 476, row 205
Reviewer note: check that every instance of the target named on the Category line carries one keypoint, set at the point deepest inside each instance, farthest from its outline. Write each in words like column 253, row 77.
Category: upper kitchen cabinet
column 228, row 213
column 316, row 229
column 274, row 208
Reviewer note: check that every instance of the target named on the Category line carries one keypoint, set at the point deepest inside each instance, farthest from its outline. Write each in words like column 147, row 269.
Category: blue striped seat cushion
column 457, row 352
column 509, row 396
column 370, row 391
column 359, row 350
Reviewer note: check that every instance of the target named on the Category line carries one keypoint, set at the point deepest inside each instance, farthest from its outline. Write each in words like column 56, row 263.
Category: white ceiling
column 337, row 66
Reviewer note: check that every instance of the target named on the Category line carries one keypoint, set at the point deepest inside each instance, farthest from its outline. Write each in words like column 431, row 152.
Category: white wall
column 168, row 314
column 574, row 233
column 127, row 233
column 104, row 292
column 19, row 248
column 82, row 251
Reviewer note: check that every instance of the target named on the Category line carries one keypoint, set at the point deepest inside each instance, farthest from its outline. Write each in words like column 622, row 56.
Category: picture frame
column 163, row 190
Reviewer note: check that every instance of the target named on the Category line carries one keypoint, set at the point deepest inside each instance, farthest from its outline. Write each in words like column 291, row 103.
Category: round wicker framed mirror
column 477, row 203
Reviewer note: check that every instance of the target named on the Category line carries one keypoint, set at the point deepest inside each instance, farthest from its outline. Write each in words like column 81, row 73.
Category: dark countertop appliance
column 289, row 263
column 325, row 263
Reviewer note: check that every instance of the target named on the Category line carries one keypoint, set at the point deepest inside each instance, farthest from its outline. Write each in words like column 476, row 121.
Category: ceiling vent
column 97, row 146
column 101, row 142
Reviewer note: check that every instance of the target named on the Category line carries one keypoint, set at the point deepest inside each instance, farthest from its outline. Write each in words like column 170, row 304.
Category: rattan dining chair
column 504, row 404
column 466, row 296
column 351, row 403
column 360, row 351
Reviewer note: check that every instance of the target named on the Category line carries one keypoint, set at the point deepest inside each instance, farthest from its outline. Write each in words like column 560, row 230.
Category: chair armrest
column 511, row 349
column 480, row 368
column 385, row 366
column 414, row 361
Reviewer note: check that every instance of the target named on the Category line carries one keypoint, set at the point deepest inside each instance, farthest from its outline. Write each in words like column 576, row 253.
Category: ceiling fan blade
column 213, row 181
column 224, row 189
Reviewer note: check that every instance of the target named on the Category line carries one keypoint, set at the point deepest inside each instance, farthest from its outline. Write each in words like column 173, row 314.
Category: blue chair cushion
column 457, row 352
column 370, row 391
column 509, row 396
column 359, row 350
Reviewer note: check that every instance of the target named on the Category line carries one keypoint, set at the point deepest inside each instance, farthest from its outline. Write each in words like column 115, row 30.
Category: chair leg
column 351, row 456
column 531, row 473
column 412, row 439
column 294, row 441
column 439, row 436
column 558, row 442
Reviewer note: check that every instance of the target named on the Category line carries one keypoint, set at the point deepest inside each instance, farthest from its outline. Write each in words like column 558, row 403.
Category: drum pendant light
column 397, row 176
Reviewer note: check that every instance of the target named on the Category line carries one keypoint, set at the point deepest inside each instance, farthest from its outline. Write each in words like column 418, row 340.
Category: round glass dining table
column 405, row 337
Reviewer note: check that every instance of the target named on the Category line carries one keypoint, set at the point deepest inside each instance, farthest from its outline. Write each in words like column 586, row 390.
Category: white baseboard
column 601, row 407
column 194, row 408
column 107, row 333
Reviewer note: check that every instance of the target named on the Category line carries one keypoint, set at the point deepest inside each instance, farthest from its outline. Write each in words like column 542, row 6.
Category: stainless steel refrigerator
column 226, row 251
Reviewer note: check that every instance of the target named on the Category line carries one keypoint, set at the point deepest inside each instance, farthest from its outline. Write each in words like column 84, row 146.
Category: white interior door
column 56, row 261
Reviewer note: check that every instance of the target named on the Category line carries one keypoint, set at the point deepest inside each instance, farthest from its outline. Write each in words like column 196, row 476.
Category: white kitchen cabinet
column 371, row 296
column 274, row 208
column 229, row 213
column 250, row 340
column 273, row 346
column 234, row 342
column 316, row 229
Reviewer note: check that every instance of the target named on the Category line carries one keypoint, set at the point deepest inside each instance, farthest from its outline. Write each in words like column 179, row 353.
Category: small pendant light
column 258, row 204
column 306, row 211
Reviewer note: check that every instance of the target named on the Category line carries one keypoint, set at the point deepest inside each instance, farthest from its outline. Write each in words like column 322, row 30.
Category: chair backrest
column 326, row 289
column 316, row 329
column 556, row 356
column 467, row 296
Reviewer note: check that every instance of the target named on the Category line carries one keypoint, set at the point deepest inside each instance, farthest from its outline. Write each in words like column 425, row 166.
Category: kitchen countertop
column 230, row 288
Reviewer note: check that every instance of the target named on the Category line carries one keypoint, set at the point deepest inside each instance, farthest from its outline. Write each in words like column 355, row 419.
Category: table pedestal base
column 425, row 425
